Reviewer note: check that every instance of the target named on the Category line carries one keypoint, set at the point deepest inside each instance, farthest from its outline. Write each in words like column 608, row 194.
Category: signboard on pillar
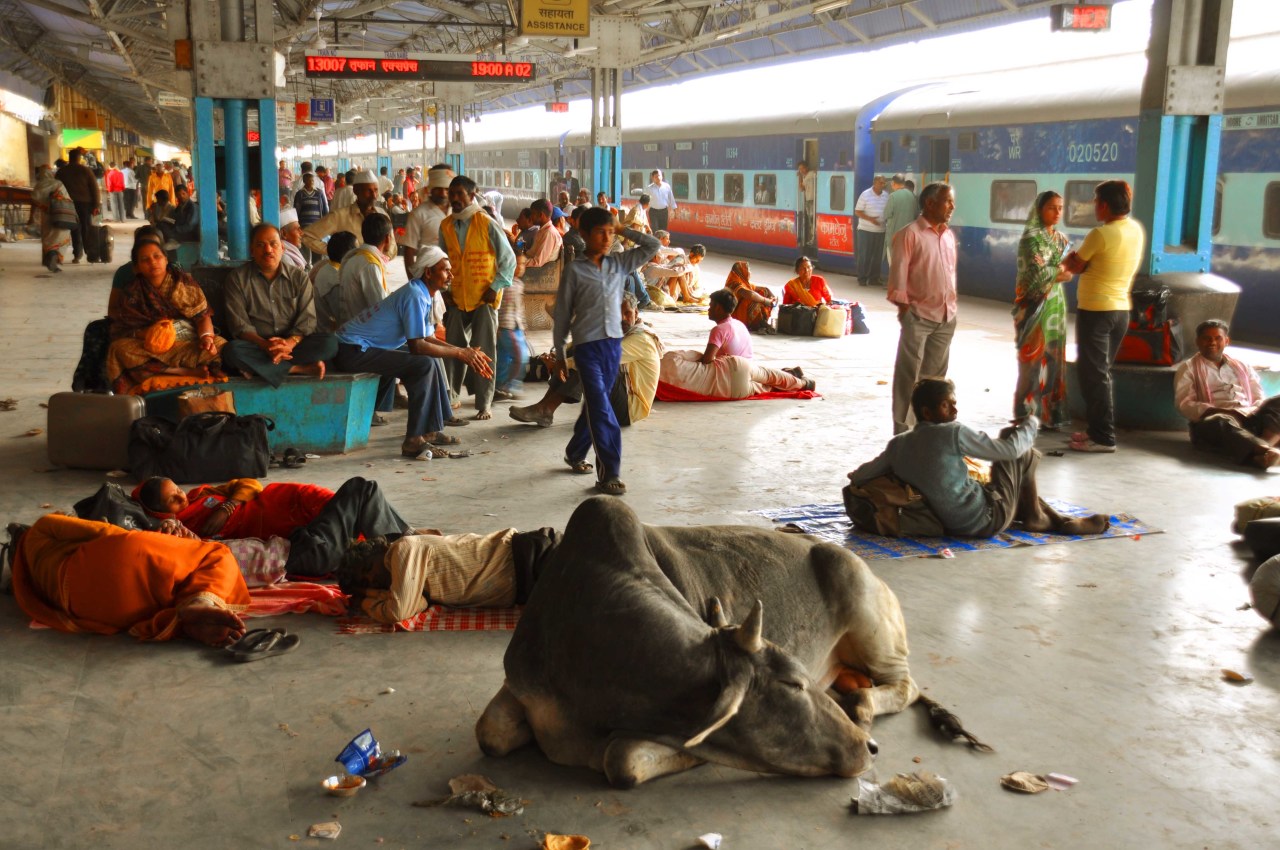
column 322, row 110
column 552, row 18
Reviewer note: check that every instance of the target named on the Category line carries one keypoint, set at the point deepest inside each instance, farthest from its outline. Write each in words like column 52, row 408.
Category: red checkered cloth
column 437, row 618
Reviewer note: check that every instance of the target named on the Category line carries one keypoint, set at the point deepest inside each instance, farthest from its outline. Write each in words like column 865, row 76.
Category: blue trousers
column 511, row 359
column 597, row 425
column 422, row 376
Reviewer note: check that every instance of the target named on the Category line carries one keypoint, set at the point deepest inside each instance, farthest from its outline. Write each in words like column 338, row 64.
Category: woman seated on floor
column 755, row 303
column 75, row 575
column 161, row 328
column 806, row 288
column 724, row 369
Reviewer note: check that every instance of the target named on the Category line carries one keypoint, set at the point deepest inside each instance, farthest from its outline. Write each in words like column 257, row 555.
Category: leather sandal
column 580, row 467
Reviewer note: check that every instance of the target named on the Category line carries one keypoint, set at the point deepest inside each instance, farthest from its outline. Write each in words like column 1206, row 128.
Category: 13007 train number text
column 1095, row 152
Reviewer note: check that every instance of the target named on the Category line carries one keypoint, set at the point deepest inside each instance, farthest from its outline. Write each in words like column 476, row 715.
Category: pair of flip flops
column 262, row 643
column 291, row 459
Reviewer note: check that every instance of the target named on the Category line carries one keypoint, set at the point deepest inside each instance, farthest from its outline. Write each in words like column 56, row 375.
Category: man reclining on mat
column 931, row 458
column 317, row 522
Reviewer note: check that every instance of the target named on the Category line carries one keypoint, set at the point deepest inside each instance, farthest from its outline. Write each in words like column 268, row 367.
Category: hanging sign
column 322, row 109
column 374, row 67
column 565, row 18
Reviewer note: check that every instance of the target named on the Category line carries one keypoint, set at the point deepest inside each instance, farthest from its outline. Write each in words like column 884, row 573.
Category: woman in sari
column 54, row 236
column 1040, row 316
column 161, row 328
column 755, row 303
column 806, row 287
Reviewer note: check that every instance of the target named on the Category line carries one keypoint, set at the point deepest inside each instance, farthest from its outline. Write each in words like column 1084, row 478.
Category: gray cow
column 614, row 667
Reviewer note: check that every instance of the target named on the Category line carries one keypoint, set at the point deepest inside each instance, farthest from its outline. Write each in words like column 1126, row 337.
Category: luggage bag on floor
column 91, row 430
column 101, row 244
column 797, row 319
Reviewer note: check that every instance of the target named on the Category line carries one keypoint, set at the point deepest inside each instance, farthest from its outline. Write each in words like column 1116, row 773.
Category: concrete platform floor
column 1099, row 660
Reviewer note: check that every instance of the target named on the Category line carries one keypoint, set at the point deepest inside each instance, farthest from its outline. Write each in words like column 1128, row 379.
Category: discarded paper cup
column 343, row 786
column 355, row 756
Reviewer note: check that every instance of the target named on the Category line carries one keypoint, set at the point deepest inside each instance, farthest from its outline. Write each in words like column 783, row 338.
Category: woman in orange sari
column 806, row 287
column 75, row 575
column 755, row 303
column 161, row 328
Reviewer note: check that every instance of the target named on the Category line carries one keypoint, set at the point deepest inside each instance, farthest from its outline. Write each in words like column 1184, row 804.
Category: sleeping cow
column 623, row 660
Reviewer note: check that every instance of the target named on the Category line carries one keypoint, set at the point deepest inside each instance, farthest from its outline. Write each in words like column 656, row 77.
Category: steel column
column 236, row 150
column 204, row 166
column 267, row 149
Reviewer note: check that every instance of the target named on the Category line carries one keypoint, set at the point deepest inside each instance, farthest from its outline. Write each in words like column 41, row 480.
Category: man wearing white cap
column 347, row 217
column 484, row 263
column 291, row 235
column 423, row 226
column 396, row 339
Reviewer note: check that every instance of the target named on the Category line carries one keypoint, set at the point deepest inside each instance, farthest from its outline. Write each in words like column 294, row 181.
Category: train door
column 807, row 198
column 937, row 160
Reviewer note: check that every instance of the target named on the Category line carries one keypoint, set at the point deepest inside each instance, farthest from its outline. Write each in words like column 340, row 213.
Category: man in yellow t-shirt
column 1106, row 261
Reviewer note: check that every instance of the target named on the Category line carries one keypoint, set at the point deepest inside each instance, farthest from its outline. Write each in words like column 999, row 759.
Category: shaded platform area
column 1100, row 661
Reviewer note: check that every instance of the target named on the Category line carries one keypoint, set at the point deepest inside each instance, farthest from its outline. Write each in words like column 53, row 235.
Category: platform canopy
column 120, row 53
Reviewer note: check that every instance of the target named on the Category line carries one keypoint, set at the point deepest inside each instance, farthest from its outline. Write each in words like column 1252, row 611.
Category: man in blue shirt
column 396, row 338
column 931, row 458
column 588, row 306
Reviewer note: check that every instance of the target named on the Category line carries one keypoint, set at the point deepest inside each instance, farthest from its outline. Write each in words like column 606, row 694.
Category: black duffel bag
column 202, row 448
column 1150, row 307
column 797, row 319
column 111, row 504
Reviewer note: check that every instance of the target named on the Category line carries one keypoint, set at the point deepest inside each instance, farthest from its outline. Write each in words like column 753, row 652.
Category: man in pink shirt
column 547, row 244
column 729, row 338
column 922, row 284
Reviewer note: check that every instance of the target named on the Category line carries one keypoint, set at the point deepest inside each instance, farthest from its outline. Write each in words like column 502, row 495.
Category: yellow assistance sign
column 564, row 18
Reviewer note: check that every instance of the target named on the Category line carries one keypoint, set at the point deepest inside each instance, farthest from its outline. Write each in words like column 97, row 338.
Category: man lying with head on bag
column 317, row 522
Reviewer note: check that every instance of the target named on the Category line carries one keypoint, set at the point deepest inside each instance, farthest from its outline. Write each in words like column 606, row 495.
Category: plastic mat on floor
column 830, row 523
column 437, row 618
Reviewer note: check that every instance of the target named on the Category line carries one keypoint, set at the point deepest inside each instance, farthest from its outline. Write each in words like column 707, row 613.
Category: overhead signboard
column 1080, row 17
column 354, row 66
column 322, row 110
column 564, row 18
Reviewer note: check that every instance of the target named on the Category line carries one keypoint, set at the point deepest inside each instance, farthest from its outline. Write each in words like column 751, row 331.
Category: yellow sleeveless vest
column 474, row 266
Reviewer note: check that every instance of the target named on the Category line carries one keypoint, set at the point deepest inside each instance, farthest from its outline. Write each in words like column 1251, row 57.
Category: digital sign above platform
column 1080, row 17
column 373, row 67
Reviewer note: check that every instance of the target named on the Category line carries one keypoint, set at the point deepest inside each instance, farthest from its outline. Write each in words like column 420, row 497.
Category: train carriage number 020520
column 1095, row 152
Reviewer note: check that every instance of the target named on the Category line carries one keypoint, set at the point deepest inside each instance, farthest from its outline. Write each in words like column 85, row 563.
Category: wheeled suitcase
column 101, row 244
column 91, row 430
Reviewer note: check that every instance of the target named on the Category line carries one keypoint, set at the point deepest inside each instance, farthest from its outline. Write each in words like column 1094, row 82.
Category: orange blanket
column 76, row 575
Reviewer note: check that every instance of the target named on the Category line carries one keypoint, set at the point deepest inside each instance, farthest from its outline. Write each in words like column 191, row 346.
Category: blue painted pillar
column 268, row 179
column 204, row 164
column 606, row 171
column 606, row 132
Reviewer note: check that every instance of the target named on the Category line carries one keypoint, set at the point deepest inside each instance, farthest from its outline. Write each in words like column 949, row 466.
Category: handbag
column 797, row 319
column 201, row 448
column 205, row 400
column 1150, row 307
column 113, row 506
column 62, row 212
column 1157, row 346
column 891, row 508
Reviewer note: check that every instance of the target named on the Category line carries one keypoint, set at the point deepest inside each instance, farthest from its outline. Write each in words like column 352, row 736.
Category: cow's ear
column 750, row 635
column 715, row 614
column 724, row 710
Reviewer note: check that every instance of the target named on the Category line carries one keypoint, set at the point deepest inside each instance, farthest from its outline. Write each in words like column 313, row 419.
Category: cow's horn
column 715, row 614
column 749, row 635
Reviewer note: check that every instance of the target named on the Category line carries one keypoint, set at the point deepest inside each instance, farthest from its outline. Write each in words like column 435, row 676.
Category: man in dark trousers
column 82, row 186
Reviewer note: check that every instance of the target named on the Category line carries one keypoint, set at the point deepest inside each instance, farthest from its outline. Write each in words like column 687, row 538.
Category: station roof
column 119, row 53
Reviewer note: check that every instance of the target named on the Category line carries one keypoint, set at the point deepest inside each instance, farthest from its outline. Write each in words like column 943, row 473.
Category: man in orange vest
column 483, row 264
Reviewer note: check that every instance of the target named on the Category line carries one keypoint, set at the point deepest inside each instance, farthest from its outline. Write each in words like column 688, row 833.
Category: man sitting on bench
column 1223, row 401
column 931, row 458
column 271, row 316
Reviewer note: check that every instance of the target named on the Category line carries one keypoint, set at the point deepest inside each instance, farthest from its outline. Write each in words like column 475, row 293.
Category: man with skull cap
column 346, row 217
column 423, row 226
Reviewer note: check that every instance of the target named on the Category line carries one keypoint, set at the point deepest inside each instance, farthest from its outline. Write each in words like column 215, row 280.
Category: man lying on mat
column 317, row 522
column 931, row 458
column 393, row 581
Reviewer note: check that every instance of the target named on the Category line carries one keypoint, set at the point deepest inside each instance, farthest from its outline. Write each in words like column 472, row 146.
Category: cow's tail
column 950, row 725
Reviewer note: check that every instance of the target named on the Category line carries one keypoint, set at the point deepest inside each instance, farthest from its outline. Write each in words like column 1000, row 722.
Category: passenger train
column 998, row 139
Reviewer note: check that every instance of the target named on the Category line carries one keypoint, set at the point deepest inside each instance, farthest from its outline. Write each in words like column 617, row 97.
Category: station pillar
column 450, row 101
column 606, row 132
column 1179, row 129
column 234, row 81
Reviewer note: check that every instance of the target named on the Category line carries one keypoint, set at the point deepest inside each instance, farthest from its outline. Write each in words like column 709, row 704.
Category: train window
column 534, row 181
column 1217, row 206
column 733, row 188
column 886, row 151
column 680, row 185
column 1271, row 211
column 635, row 180
column 1011, row 200
column 519, row 179
column 766, row 190
column 967, row 142
column 506, row 179
column 839, row 190
column 706, row 187
column 1078, row 203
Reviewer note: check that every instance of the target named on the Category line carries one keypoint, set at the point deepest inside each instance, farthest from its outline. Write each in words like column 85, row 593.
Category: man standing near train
column 661, row 201
column 899, row 211
column 483, row 264
column 922, row 284
column 870, row 245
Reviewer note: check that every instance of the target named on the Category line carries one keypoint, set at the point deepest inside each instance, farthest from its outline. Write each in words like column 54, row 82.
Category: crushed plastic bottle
column 905, row 793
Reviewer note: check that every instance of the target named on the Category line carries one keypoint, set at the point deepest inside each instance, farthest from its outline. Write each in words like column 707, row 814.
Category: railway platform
column 1100, row 660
